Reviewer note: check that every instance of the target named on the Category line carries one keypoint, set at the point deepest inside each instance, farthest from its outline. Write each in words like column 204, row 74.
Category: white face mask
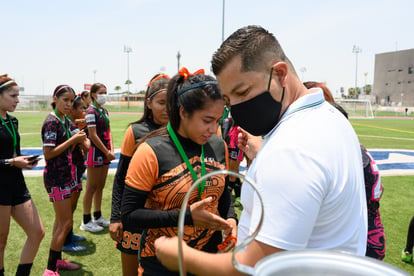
column 101, row 99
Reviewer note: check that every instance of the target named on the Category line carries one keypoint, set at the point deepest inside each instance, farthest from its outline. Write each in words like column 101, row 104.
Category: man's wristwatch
column 6, row 162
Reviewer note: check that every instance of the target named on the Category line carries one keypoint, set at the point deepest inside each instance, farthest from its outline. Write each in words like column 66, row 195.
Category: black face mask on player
column 260, row 114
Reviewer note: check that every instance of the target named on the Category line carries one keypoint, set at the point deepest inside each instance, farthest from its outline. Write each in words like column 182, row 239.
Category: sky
column 46, row 43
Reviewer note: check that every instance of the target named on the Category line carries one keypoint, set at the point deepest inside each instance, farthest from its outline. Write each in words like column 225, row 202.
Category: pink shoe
column 64, row 265
column 50, row 273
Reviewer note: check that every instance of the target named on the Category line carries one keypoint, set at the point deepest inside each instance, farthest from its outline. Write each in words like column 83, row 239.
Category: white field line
column 387, row 137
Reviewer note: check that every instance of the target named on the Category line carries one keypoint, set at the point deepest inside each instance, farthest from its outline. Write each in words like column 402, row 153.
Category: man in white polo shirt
column 308, row 170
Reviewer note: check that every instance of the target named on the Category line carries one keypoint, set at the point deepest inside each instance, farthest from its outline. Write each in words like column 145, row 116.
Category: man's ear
column 280, row 69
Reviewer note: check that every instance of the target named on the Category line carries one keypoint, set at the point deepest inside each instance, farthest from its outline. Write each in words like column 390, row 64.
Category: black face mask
column 260, row 114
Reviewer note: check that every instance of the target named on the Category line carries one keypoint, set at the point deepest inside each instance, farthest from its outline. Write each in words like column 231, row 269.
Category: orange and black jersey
column 156, row 183
column 134, row 132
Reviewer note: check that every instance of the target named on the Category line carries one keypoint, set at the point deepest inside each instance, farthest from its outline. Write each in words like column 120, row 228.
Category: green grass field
column 103, row 259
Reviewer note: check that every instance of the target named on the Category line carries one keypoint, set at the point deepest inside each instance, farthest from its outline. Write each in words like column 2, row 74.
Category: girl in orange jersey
column 155, row 115
column 167, row 163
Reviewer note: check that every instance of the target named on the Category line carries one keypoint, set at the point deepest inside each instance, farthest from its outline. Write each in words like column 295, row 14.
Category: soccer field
column 103, row 259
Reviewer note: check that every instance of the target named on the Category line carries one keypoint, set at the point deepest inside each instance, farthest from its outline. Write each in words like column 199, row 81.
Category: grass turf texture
column 102, row 258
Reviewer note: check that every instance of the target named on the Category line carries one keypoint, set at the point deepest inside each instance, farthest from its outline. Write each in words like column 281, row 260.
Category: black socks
column 410, row 237
column 97, row 215
column 87, row 218
column 22, row 270
column 68, row 239
column 53, row 257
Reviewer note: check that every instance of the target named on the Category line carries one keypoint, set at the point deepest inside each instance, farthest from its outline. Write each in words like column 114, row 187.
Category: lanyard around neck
column 225, row 113
column 180, row 149
column 13, row 134
column 64, row 126
column 103, row 114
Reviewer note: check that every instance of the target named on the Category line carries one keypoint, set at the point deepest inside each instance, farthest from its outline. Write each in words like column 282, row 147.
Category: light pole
column 127, row 50
column 365, row 82
column 178, row 60
column 356, row 50
column 222, row 22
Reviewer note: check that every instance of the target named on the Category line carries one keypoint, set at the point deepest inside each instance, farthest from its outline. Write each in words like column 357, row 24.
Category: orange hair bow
column 185, row 73
column 160, row 76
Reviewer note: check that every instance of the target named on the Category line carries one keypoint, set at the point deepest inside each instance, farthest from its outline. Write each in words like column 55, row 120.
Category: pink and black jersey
column 95, row 118
column 58, row 171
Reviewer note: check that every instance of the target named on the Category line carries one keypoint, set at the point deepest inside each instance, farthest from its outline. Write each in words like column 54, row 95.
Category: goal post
column 357, row 107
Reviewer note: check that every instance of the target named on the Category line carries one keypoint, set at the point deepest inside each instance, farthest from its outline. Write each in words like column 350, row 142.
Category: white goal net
column 357, row 107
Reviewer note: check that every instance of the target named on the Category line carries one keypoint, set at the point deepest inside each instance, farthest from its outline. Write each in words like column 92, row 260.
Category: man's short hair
column 257, row 48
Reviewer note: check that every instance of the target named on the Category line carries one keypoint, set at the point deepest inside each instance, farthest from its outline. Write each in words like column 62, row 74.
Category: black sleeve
column 118, row 187
column 3, row 163
column 135, row 215
column 225, row 207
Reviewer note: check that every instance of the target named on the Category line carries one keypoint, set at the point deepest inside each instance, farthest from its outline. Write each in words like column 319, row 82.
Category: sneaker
column 91, row 227
column 73, row 247
column 406, row 256
column 64, row 265
column 50, row 273
column 101, row 222
column 76, row 238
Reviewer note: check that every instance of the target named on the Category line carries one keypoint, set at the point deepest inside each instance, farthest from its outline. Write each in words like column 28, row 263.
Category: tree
column 351, row 92
column 117, row 89
column 367, row 89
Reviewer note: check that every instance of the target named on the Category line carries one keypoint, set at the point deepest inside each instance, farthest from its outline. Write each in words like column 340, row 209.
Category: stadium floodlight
column 128, row 50
column 356, row 50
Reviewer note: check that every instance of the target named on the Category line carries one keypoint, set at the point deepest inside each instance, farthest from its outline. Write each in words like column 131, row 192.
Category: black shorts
column 14, row 193
column 79, row 171
column 130, row 242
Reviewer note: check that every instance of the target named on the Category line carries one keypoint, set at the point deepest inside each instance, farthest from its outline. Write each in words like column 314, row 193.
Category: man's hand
column 248, row 143
column 167, row 252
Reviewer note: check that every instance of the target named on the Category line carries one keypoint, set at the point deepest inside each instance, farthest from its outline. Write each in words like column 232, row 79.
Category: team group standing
column 177, row 140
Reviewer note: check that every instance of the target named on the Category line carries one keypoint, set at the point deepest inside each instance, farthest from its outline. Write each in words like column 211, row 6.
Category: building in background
column 394, row 78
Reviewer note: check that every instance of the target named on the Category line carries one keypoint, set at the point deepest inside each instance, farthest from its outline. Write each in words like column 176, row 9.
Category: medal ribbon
column 180, row 149
column 12, row 134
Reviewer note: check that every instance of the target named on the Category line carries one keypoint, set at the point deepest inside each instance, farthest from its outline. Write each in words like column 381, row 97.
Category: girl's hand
column 110, row 156
column 23, row 162
column 116, row 231
column 78, row 137
column 204, row 219
column 230, row 232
